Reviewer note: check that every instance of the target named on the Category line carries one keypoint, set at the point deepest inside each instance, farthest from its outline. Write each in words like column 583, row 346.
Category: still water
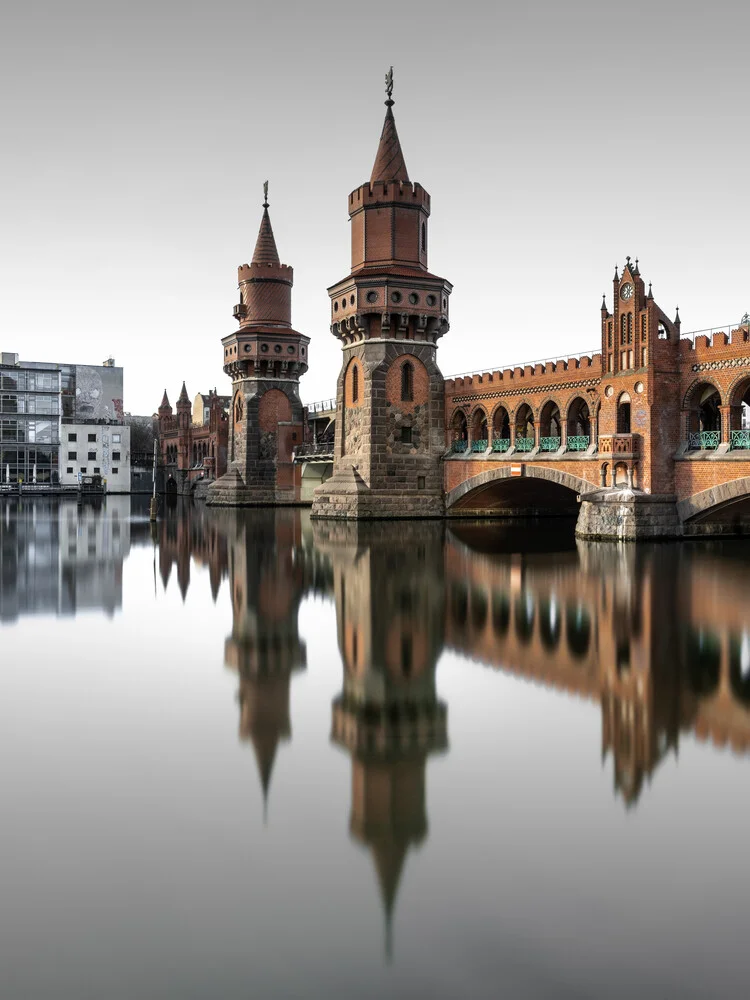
column 249, row 755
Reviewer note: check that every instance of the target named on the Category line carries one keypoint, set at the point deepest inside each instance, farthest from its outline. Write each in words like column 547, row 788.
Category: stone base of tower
column 348, row 497
column 232, row 491
column 625, row 515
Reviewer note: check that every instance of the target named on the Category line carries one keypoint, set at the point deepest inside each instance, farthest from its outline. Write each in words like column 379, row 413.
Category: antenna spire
column 265, row 194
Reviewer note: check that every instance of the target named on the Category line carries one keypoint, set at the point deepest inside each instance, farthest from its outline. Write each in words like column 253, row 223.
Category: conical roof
column 389, row 162
column 184, row 398
column 265, row 246
column 165, row 401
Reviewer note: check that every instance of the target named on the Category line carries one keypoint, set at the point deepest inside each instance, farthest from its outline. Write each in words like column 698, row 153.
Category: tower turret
column 265, row 358
column 388, row 314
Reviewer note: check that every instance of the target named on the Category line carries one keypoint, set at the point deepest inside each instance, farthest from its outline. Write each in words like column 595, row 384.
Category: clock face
column 626, row 292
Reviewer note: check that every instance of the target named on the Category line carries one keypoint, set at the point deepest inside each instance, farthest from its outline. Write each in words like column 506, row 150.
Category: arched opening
column 549, row 623
column 407, row 382
column 479, row 440
column 578, row 629
column 424, row 238
column 703, row 657
column 524, row 616
column 500, row 614
column 579, row 425
column 171, row 487
column 704, row 416
column 355, row 383
column 739, row 416
column 621, row 474
column 623, row 414
column 550, row 435
column 525, row 434
column 500, row 429
column 498, row 493
column 459, row 431
column 739, row 666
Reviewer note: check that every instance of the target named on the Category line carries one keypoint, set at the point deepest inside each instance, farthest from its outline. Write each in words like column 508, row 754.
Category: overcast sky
column 554, row 138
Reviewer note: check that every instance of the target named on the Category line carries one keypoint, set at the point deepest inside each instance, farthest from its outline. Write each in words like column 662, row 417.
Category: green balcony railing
column 704, row 440
column 524, row 444
column 549, row 443
column 459, row 446
column 500, row 444
column 578, row 442
column 481, row 444
column 739, row 439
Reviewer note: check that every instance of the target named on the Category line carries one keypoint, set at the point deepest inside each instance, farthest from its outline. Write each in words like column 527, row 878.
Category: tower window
column 406, row 435
column 355, row 383
column 424, row 238
column 407, row 382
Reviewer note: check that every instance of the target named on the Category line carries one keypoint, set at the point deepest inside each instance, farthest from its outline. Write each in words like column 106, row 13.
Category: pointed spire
column 165, row 402
column 183, row 395
column 677, row 317
column 389, row 162
column 617, row 276
column 265, row 246
column 604, row 303
column 650, row 293
column 636, row 271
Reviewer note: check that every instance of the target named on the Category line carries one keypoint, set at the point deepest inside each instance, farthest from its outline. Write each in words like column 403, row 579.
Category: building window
column 72, row 456
column 643, row 327
column 116, row 439
column 69, row 470
column 92, row 456
column 72, row 437
column 92, row 437
column 115, row 456
column 406, row 435
column 623, row 333
column 424, row 238
column 355, row 383
column 115, row 471
column 630, row 328
column 623, row 414
column 84, row 469
column 97, row 470
column 407, row 382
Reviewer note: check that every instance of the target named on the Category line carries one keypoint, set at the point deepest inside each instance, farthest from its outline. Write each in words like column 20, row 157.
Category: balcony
column 480, row 445
column 549, row 443
column 500, row 444
column 579, row 442
column 704, row 440
column 618, row 444
column 739, row 439
column 459, row 446
column 524, row 443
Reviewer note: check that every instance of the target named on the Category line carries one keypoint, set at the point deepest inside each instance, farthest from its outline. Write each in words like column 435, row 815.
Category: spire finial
column 389, row 87
column 265, row 194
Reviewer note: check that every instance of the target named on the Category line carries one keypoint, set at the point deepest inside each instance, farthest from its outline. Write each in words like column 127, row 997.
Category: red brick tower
column 388, row 314
column 265, row 359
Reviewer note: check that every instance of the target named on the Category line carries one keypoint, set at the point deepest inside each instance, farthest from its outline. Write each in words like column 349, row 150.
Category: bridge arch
column 713, row 499
column 485, row 479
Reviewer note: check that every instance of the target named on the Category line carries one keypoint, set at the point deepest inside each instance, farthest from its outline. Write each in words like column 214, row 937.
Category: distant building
column 193, row 443
column 62, row 421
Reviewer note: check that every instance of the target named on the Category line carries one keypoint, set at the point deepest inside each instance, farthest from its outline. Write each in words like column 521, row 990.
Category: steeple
column 265, row 246
column 165, row 402
column 183, row 398
column 389, row 163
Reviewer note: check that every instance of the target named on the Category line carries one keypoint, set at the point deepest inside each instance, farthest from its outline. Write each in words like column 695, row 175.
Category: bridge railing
column 728, row 329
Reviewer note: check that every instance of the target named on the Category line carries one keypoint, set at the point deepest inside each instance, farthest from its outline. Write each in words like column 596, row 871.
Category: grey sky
column 554, row 139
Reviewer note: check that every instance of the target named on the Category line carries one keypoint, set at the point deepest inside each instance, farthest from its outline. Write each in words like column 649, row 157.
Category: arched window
column 623, row 414
column 622, row 329
column 630, row 328
column 407, row 382
column 355, row 383
column 424, row 238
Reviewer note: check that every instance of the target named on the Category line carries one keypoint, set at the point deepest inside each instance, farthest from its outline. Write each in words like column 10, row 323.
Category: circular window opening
column 351, row 300
column 431, row 300
column 414, row 298
column 609, row 391
column 264, row 347
column 248, row 348
column 335, row 307
column 302, row 350
column 445, row 303
column 639, row 386
column 372, row 296
column 343, row 303
column 290, row 350
column 277, row 348
column 396, row 297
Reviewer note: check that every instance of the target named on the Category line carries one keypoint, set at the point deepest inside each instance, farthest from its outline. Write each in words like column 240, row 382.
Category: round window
column 264, row 347
column 343, row 303
column 290, row 350
column 414, row 298
column 431, row 300
column 639, row 386
column 395, row 296
column 277, row 348
column 335, row 307
column 248, row 348
column 609, row 391
column 351, row 300
column 372, row 296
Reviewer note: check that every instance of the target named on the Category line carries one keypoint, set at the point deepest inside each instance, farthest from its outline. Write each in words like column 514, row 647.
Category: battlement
column 715, row 341
column 509, row 377
column 257, row 272
column 388, row 192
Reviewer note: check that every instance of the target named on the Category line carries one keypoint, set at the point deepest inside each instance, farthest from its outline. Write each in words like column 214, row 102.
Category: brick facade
column 193, row 451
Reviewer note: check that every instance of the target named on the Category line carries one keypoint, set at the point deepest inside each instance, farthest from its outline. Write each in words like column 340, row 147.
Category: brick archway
column 716, row 496
column 573, row 483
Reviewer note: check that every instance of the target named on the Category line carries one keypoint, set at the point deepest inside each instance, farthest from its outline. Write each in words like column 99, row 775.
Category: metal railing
column 704, row 440
column 322, row 406
column 739, row 439
column 459, row 446
column 500, row 444
column 524, row 443
column 481, row 444
column 549, row 443
column 578, row 442
column 711, row 330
